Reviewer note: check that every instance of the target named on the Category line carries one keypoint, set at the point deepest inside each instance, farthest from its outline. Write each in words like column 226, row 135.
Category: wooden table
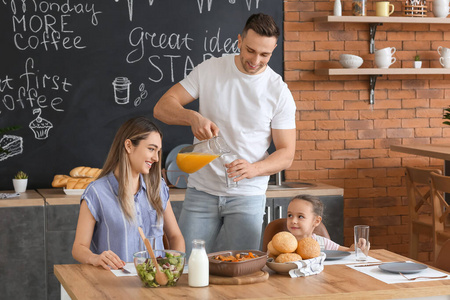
column 441, row 151
column 336, row 281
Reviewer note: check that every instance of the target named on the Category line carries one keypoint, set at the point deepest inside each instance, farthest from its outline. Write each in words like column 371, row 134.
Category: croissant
column 85, row 172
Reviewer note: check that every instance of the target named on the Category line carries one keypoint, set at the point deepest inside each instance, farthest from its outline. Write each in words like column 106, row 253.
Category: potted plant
column 417, row 62
column 447, row 116
column 20, row 182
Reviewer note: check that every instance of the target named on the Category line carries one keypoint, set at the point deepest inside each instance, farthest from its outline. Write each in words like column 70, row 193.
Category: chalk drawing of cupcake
column 40, row 126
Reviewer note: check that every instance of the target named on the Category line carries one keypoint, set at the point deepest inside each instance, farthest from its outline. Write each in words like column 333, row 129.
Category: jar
column 359, row 7
column 198, row 265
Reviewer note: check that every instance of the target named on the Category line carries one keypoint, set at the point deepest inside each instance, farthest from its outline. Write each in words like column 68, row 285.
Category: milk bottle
column 198, row 274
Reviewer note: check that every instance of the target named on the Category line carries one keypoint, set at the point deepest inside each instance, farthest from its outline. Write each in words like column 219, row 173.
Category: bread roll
column 287, row 257
column 284, row 242
column 85, row 172
column 60, row 180
column 78, row 183
column 272, row 250
column 308, row 248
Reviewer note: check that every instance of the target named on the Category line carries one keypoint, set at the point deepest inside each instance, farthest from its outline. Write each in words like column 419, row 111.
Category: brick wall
column 344, row 141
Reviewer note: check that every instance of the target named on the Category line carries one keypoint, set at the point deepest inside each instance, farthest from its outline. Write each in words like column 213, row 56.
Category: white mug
column 441, row 8
column 384, row 62
column 445, row 61
column 385, row 51
column 443, row 51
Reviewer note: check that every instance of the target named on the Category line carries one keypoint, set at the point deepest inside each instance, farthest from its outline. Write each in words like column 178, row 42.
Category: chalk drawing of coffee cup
column 121, row 90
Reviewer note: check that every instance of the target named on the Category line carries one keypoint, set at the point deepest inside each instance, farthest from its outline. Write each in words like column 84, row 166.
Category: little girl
column 303, row 215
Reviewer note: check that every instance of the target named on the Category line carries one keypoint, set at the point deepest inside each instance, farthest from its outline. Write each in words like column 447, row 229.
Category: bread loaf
column 85, row 172
column 60, row 180
column 78, row 183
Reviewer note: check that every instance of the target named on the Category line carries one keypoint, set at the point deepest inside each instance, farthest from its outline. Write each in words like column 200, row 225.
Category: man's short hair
column 263, row 25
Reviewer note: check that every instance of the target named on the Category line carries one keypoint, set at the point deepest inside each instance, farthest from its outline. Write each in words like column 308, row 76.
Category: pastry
column 60, row 180
column 85, row 172
column 308, row 248
column 78, row 183
column 287, row 257
column 284, row 242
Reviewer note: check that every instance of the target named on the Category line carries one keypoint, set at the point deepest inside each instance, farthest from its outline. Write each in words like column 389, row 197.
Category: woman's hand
column 108, row 260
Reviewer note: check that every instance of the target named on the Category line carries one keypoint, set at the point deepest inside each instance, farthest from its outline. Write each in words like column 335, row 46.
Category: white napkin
column 8, row 195
column 308, row 266
column 390, row 278
column 349, row 260
column 129, row 267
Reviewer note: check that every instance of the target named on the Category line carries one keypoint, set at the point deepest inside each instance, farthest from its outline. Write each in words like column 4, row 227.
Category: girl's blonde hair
column 136, row 130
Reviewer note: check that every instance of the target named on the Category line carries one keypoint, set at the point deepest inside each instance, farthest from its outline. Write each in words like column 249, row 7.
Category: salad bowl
column 170, row 262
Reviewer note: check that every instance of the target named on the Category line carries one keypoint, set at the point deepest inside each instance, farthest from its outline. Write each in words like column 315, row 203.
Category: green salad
column 171, row 265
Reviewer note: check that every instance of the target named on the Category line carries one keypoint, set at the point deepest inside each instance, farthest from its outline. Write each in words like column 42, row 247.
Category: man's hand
column 203, row 128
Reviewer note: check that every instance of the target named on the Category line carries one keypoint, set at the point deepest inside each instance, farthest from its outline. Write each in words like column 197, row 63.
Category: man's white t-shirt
column 245, row 108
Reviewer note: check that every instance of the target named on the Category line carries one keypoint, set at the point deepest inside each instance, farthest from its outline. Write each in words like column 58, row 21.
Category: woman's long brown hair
column 136, row 130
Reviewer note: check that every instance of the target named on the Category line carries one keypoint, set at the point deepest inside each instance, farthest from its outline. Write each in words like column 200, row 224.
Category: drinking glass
column 362, row 244
column 226, row 159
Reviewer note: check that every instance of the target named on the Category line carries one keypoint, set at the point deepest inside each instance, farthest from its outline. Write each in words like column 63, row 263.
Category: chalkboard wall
column 72, row 71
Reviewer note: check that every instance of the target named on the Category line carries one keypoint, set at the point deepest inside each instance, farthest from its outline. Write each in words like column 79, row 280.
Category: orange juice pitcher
column 192, row 158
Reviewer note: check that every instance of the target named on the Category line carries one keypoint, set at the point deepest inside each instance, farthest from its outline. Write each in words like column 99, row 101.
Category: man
column 243, row 100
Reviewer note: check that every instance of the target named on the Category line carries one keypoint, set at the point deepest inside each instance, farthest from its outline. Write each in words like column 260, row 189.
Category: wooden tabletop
column 441, row 151
column 336, row 281
column 28, row 198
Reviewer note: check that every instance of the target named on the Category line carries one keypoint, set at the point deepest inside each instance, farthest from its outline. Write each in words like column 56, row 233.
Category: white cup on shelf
column 385, row 51
column 445, row 61
column 443, row 51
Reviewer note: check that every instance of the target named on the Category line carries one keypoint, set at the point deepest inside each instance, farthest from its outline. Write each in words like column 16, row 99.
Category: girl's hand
column 108, row 259
column 363, row 245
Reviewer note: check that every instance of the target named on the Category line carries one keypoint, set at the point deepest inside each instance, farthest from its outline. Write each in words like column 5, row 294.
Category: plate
column 176, row 177
column 173, row 154
column 335, row 254
column 73, row 191
column 402, row 267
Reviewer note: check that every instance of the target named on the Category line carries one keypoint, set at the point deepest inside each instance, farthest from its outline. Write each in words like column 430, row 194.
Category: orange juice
column 193, row 161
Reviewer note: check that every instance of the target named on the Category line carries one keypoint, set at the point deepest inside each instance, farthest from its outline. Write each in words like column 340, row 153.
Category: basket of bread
column 79, row 179
column 286, row 255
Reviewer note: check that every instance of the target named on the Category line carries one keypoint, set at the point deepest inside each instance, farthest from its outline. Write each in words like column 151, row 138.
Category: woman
column 129, row 193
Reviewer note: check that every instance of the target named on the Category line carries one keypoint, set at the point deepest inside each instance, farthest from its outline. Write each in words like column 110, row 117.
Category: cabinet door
column 22, row 253
column 280, row 206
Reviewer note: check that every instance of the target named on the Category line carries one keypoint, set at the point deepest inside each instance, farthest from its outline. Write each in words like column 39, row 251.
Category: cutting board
column 259, row 276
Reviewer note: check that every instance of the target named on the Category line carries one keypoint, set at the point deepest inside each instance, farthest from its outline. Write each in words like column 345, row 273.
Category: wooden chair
column 420, row 206
column 443, row 258
column 440, row 184
column 280, row 225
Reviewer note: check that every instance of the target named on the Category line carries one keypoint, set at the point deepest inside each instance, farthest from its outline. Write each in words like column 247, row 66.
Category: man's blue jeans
column 223, row 222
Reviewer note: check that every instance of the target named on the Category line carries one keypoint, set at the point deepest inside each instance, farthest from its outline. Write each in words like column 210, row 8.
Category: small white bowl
column 350, row 61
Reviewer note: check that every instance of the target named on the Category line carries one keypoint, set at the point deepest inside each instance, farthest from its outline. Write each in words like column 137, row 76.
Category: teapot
column 192, row 158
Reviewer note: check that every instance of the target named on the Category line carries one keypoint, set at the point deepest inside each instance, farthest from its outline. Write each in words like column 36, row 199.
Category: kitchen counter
column 56, row 196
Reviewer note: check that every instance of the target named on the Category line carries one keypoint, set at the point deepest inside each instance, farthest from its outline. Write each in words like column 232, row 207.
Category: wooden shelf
column 389, row 71
column 374, row 19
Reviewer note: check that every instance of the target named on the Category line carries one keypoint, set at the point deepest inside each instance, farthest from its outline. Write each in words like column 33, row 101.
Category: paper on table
column 129, row 267
column 390, row 278
column 349, row 260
